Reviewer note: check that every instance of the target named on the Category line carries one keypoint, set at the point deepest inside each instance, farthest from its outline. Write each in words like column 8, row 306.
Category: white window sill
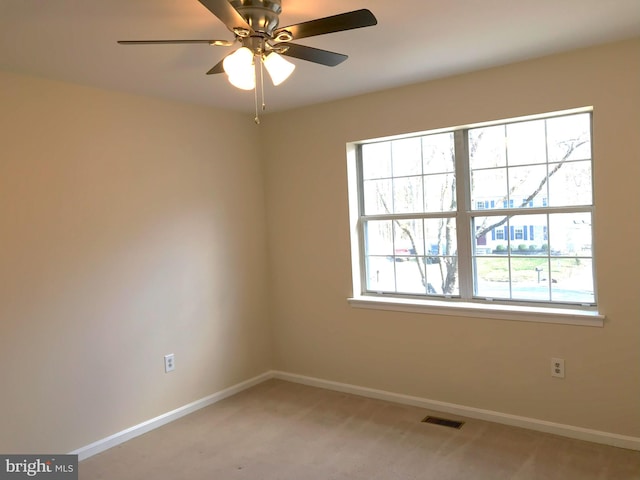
column 482, row 310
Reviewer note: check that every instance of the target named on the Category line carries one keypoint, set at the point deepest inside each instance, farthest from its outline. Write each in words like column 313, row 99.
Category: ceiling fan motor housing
column 261, row 15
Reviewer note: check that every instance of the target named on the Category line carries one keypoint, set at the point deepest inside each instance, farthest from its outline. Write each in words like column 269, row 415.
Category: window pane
column 527, row 186
column 572, row 280
column 439, row 193
column 407, row 157
column 442, row 249
column 570, row 234
column 440, row 236
column 492, row 277
column 376, row 160
column 418, row 271
column 571, row 184
column 528, row 278
column 409, row 237
column 516, row 248
column 442, row 275
column 512, row 277
column 569, row 137
column 526, row 143
column 380, row 274
column 490, row 188
column 377, row 197
column 487, row 147
column 438, row 153
column 407, row 195
column 489, row 235
column 528, row 235
column 410, row 276
column 408, row 244
column 378, row 238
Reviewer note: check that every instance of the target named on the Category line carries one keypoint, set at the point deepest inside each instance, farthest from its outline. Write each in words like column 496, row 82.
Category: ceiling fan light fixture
column 240, row 69
column 254, row 24
column 245, row 80
column 239, row 60
column 279, row 69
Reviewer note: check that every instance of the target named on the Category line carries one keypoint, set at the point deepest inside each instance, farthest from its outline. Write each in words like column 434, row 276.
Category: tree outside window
column 532, row 182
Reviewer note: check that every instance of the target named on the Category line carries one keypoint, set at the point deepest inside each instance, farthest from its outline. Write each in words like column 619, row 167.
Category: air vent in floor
column 442, row 421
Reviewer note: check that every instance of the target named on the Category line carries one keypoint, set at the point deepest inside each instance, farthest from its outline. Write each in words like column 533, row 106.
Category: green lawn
column 523, row 269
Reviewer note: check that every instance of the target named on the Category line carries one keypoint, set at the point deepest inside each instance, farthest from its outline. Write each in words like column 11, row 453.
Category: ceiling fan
column 255, row 26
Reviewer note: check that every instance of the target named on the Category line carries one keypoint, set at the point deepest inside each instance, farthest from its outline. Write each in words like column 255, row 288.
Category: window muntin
column 517, row 266
column 535, row 163
column 412, row 248
column 529, row 188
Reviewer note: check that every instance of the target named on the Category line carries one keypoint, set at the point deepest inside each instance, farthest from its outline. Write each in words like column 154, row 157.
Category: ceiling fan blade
column 217, row 68
column 335, row 23
column 218, row 43
column 227, row 14
column 315, row 55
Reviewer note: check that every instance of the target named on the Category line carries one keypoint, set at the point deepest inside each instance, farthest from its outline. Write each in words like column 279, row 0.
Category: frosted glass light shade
column 240, row 69
column 279, row 69
column 244, row 79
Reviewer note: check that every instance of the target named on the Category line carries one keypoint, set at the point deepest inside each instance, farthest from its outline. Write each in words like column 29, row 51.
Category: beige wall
column 132, row 227
column 129, row 228
column 489, row 364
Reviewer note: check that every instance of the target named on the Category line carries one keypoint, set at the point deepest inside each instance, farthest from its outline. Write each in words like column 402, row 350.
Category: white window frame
column 464, row 306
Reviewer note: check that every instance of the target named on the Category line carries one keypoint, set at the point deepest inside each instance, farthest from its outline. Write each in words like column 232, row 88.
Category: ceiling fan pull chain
column 264, row 107
column 257, row 117
column 255, row 97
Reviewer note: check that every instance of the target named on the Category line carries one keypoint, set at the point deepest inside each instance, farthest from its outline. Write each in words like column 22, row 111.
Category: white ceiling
column 415, row 40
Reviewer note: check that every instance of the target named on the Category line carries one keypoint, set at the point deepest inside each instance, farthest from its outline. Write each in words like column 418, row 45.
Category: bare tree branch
column 536, row 192
column 408, row 234
column 449, row 263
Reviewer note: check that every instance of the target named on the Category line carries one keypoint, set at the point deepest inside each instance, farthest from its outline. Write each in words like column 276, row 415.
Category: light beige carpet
column 280, row 430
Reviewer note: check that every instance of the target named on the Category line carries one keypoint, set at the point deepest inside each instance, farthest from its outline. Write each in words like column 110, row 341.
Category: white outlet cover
column 557, row 367
column 169, row 363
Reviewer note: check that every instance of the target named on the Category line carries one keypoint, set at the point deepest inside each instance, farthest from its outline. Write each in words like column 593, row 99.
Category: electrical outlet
column 169, row 363
column 557, row 367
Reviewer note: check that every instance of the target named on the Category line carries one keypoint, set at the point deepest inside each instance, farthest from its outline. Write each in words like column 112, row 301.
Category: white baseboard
column 596, row 436
column 144, row 427
column 579, row 433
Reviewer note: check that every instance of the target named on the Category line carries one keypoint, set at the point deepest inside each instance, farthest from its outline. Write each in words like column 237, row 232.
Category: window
column 500, row 212
column 519, row 235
